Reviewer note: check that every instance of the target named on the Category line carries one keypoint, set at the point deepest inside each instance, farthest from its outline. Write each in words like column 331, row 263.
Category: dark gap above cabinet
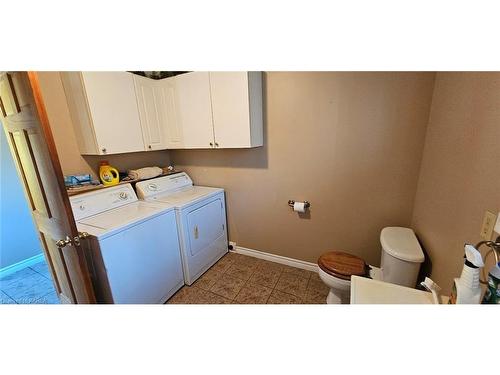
column 158, row 75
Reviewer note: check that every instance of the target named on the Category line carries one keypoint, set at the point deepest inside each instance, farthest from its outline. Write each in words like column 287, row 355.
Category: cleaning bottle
column 492, row 294
column 466, row 289
column 109, row 175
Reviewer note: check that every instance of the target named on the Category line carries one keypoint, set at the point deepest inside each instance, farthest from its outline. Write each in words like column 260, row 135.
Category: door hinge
column 75, row 241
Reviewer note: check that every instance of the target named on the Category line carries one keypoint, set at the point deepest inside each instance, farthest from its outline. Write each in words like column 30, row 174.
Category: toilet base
column 337, row 297
column 340, row 290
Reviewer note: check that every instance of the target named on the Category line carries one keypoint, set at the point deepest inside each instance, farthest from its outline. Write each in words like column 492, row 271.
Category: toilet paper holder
column 306, row 203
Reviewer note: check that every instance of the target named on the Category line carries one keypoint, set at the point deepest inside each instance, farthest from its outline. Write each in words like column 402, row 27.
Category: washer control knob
column 123, row 195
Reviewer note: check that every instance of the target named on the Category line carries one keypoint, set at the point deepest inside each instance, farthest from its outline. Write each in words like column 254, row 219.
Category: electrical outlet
column 488, row 224
column 497, row 225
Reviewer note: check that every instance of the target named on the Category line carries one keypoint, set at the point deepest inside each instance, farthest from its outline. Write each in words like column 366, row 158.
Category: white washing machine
column 134, row 246
column 201, row 219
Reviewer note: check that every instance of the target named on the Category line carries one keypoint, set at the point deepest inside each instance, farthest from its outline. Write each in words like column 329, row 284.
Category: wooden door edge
column 56, row 165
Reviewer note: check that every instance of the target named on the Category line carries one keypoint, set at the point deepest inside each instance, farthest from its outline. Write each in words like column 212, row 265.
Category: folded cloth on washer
column 143, row 173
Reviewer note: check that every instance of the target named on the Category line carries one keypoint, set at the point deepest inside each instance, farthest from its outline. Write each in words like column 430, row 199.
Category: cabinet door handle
column 211, row 144
column 216, row 144
column 149, row 146
column 104, row 150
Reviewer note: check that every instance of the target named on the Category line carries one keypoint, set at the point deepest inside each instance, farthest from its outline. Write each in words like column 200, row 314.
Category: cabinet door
column 194, row 109
column 149, row 104
column 113, row 107
column 166, row 94
column 230, row 107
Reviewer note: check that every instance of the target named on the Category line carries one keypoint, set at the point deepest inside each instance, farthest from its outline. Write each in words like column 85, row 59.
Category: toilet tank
column 401, row 256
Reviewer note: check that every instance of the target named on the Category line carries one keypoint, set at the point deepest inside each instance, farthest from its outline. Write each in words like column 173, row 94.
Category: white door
column 166, row 96
column 113, row 107
column 150, row 108
column 230, row 107
column 25, row 122
column 194, row 110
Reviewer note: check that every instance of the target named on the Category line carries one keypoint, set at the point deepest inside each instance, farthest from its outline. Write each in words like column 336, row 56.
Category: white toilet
column 400, row 263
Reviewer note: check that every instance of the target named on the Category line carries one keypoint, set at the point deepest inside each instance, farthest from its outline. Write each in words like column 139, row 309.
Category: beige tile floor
column 240, row 279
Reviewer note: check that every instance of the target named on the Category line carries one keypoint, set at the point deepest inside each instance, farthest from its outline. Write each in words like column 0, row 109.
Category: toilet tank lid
column 401, row 243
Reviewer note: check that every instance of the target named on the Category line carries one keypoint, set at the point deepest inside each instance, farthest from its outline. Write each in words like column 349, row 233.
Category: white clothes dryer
column 201, row 219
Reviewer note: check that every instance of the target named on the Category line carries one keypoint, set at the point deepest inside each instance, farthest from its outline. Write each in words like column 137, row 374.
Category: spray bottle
column 466, row 289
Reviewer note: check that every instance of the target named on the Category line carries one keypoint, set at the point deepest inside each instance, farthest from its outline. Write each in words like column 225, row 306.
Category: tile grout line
column 8, row 295
column 40, row 273
column 17, row 279
column 281, row 272
column 254, row 267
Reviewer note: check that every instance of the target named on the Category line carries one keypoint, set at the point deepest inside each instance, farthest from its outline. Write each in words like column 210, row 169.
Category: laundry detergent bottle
column 109, row 176
column 466, row 289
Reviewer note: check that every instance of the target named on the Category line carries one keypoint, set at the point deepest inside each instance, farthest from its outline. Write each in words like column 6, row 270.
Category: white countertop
column 369, row 291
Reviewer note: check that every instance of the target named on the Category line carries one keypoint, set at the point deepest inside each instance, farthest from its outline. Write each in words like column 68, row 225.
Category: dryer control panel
column 161, row 185
column 95, row 202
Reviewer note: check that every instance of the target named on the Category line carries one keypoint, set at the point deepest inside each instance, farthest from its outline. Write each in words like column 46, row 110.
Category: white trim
column 20, row 265
column 276, row 258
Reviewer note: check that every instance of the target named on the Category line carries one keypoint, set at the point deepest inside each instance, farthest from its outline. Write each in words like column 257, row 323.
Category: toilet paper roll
column 299, row 207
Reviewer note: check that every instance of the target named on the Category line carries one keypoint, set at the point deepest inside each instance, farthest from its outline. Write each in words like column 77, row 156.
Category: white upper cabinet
column 119, row 112
column 237, row 109
column 158, row 113
column 168, row 113
column 104, row 111
column 149, row 102
column 194, row 110
column 219, row 109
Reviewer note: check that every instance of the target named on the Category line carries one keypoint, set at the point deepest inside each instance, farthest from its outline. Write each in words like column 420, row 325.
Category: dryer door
column 205, row 225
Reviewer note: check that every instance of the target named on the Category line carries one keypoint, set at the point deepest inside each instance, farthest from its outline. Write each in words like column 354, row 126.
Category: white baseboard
column 276, row 258
column 20, row 265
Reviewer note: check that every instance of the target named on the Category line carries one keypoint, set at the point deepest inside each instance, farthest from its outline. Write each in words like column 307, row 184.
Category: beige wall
column 350, row 143
column 460, row 174
column 71, row 160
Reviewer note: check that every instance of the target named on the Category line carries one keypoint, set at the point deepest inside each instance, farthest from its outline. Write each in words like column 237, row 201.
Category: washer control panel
column 152, row 186
column 95, row 202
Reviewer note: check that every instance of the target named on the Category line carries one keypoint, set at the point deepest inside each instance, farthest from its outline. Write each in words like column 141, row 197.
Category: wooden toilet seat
column 342, row 265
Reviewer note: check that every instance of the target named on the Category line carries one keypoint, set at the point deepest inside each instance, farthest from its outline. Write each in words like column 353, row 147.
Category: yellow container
column 109, row 176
